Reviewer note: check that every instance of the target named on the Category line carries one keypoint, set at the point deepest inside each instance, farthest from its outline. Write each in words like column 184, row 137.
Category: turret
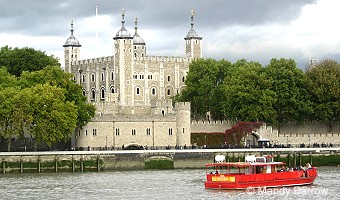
column 183, row 123
column 123, row 44
column 71, row 50
column 193, row 46
column 139, row 49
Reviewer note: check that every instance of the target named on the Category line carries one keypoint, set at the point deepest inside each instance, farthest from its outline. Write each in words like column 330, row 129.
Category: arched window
column 168, row 92
column 83, row 78
column 168, row 78
column 102, row 93
column 183, row 79
column 112, row 76
column 84, row 93
column 102, row 76
column 135, row 55
column 137, row 91
column 93, row 95
column 153, row 91
column 112, row 89
column 93, row 79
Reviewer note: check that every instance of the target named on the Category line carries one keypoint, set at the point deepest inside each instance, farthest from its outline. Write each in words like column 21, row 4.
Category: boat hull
column 280, row 179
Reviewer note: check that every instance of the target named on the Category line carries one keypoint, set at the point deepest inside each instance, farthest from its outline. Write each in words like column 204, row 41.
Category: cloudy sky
column 256, row 30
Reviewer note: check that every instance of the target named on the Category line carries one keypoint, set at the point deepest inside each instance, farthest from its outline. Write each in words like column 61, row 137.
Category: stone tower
column 183, row 123
column 193, row 46
column 139, row 48
column 71, row 50
column 123, row 54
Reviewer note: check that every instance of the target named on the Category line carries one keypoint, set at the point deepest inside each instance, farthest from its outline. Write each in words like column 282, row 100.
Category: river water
column 152, row 184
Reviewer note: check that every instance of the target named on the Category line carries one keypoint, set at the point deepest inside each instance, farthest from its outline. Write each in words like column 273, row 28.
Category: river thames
column 152, row 184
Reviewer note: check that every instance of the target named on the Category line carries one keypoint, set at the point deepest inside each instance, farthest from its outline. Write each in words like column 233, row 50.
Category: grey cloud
column 29, row 17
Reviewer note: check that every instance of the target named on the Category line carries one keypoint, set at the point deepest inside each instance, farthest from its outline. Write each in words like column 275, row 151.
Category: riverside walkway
column 325, row 150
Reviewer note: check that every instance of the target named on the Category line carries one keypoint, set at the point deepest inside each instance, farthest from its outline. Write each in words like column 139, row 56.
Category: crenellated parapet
column 163, row 59
column 212, row 122
column 93, row 60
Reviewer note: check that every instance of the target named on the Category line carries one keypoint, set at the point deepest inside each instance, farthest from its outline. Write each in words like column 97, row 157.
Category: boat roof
column 242, row 164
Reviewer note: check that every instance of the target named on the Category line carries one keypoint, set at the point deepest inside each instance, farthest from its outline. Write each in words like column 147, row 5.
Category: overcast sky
column 256, row 30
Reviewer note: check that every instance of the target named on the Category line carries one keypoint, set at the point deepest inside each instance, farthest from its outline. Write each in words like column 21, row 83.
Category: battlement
column 211, row 122
column 164, row 58
column 182, row 106
column 93, row 60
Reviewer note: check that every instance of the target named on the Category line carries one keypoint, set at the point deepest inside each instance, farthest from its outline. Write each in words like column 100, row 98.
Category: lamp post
column 106, row 143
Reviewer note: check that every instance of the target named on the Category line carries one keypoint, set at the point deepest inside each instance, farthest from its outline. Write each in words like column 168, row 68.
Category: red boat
column 256, row 172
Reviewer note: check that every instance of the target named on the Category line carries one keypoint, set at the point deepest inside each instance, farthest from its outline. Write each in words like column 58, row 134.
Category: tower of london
column 132, row 91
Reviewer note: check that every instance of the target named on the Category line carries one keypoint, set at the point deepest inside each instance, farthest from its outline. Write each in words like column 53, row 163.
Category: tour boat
column 256, row 172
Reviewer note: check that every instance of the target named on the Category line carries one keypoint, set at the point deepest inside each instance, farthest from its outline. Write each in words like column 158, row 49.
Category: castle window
column 142, row 54
column 94, row 132
column 183, row 130
column 183, row 79
column 112, row 89
column 168, row 92
column 133, row 132
column 85, row 132
column 141, row 76
column 84, row 93
column 102, row 93
column 83, row 78
column 117, row 131
column 135, row 47
column 79, row 132
column 135, row 55
column 142, row 47
column 112, row 76
column 137, row 91
column 168, row 78
column 93, row 79
column 148, row 131
column 93, row 96
column 153, row 91
column 170, row 131
column 103, row 76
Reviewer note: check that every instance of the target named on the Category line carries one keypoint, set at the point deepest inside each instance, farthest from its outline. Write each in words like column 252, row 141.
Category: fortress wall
column 210, row 126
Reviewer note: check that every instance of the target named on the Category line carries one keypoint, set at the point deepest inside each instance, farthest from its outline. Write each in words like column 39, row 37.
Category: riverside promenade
column 80, row 161
column 273, row 151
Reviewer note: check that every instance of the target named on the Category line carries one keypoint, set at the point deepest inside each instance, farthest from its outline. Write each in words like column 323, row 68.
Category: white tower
column 193, row 47
column 123, row 44
column 71, row 50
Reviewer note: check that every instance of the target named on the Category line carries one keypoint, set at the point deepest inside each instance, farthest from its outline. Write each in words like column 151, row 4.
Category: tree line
column 277, row 93
column 38, row 99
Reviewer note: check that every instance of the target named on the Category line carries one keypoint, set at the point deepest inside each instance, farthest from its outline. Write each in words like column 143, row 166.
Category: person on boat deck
column 216, row 171
column 308, row 166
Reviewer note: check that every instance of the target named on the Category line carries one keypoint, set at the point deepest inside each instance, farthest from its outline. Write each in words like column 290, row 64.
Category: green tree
column 54, row 76
column 203, row 88
column 6, row 79
column 54, row 118
column 324, row 85
column 14, row 113
column 290, row 85
column 247, row 92
column 18, row 60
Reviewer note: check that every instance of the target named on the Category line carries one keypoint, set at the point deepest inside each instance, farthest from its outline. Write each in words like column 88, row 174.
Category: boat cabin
column 261, row 171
